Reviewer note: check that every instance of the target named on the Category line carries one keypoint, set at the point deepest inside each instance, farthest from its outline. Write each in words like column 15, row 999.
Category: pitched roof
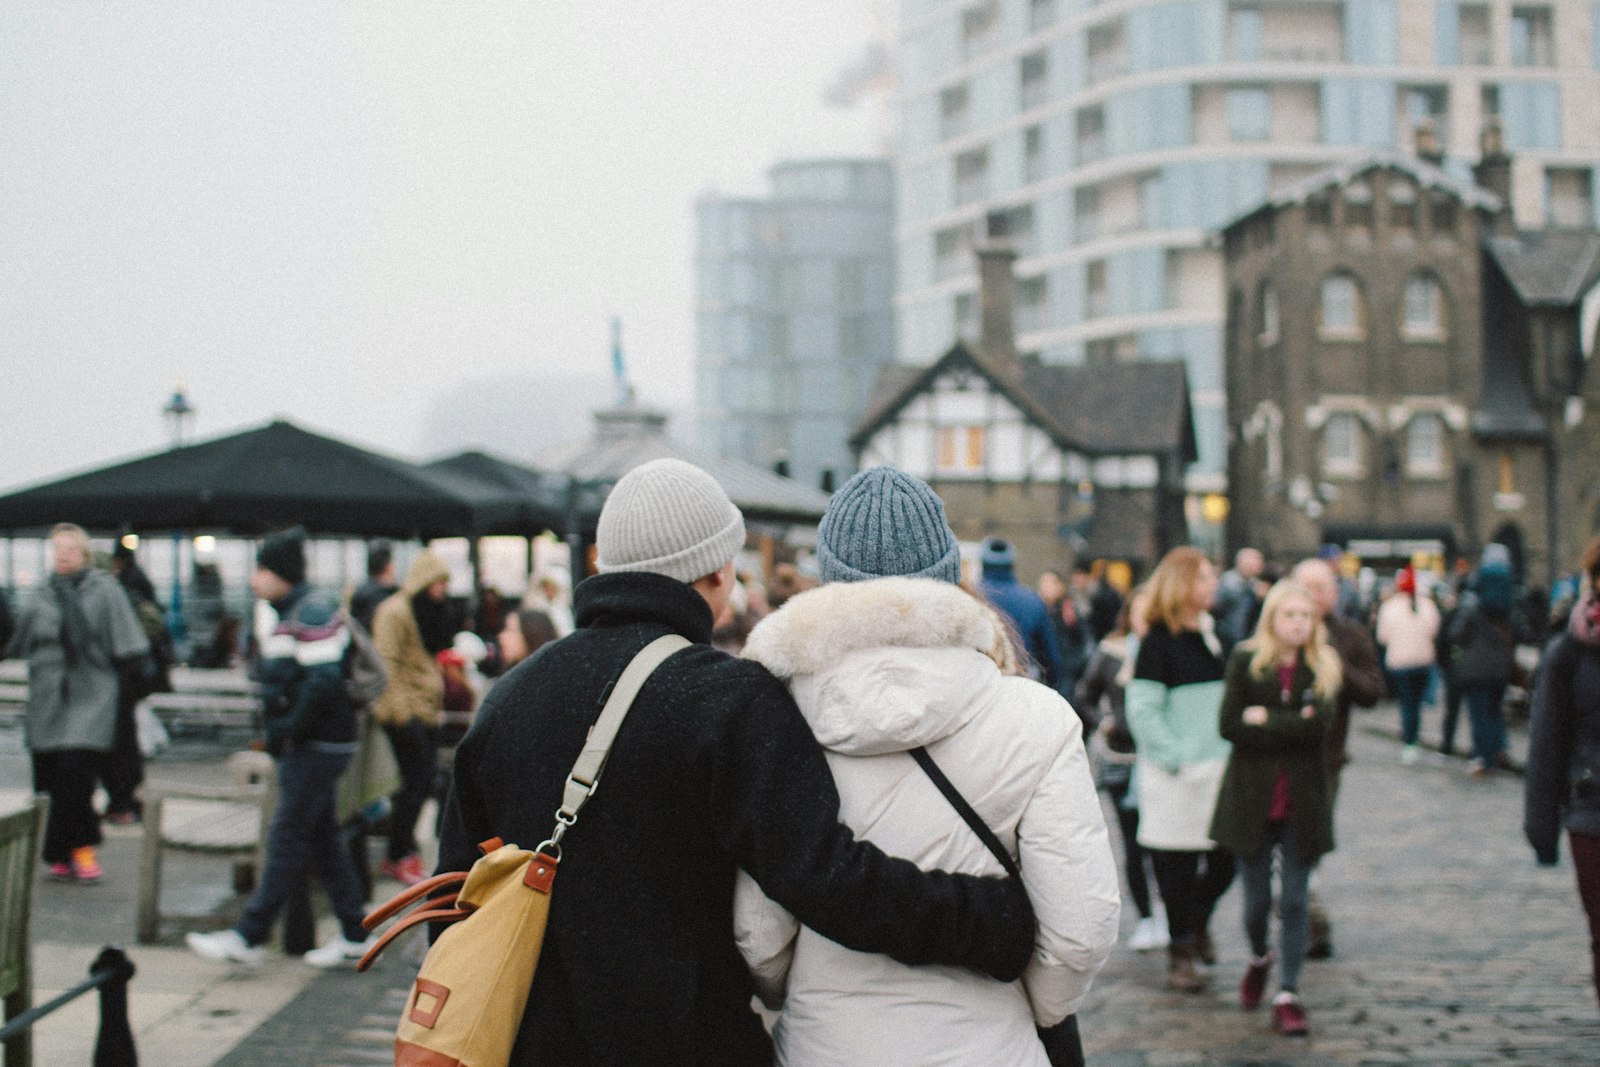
column 1421, row 171
column 255, row 480
column 1119, row 408
column 1548, row 267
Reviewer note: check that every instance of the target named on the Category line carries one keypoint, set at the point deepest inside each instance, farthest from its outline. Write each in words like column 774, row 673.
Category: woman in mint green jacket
column 1172, row 706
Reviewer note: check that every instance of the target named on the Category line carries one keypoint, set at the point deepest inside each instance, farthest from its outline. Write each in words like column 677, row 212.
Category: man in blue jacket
column 310, row 726
column 1022, row 606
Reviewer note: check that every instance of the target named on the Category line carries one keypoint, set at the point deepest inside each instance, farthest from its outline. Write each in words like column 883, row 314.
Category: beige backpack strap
column 585, row 777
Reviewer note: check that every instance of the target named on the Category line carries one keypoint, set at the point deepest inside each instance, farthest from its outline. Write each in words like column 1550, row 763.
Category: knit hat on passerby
column 284, row 554
column 668, row 517
column 997, row 552
column 883, row 523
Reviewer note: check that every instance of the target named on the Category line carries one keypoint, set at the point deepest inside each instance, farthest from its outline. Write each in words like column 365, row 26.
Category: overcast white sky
column 339, row 212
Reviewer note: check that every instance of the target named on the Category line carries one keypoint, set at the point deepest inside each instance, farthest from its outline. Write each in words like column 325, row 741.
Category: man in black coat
column 714, row 769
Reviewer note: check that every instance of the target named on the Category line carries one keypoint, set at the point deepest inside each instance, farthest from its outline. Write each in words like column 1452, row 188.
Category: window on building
column 1532, row 37
column 966, row 314
column 1033, row 153
column 1425, row 446
column 950, row 248
column 1104, row 51
column 1339, row 314
column 1249, row 114
column 1086, row 213
column 1267, row 331
column 980, row 28
column 1569, row 197
column 1091, row 129
column 1507, row 481
column 1472, row 28
column 961, row 449
column 1319, row 210
column 1244, row 34
column 1426, row 105
column 1014, row 224
column 1424, row 309
column 972, row 175
column 1358, row 206
column 1033, row 297
column 1402, row 207
column 1442, row 215
column 1094, row 290
column 1341, row 444
column 1041, row 14
column 1033, row 73
column 953, row 111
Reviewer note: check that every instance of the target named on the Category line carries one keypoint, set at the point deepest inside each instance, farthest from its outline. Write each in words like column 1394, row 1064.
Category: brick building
column 1408, row 372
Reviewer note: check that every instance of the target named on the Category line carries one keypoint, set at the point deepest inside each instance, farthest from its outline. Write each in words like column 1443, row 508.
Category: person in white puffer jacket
column 889, row 655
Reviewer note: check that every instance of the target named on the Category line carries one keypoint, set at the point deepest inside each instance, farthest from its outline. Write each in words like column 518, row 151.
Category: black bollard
column 114, row 1046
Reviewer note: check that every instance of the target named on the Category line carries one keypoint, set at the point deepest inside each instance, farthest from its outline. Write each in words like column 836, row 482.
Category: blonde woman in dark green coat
column 1278, row 699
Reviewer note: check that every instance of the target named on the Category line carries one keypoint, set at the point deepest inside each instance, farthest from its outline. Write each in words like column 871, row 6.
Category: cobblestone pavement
column 1452, row 948
column 1451, row 945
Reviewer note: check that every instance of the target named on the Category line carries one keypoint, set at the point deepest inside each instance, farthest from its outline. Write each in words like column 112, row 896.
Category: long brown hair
column 1171, row 587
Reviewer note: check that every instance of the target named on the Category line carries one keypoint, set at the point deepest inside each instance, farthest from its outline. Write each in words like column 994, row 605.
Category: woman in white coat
column 889, row 655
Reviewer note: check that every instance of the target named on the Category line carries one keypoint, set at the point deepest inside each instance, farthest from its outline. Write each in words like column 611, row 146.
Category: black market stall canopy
column 264, row 479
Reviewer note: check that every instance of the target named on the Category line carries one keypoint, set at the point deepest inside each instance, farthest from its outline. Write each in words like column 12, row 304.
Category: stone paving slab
column 1452, row 946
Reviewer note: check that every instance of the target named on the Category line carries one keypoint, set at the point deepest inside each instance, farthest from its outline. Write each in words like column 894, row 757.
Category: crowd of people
column 825, row 721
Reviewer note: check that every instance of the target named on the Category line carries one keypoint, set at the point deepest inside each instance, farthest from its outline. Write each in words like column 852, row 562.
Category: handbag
column 1063, row 1044
column 467, row 1002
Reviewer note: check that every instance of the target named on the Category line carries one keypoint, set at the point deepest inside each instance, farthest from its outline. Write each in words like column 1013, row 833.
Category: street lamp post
column 177, row 410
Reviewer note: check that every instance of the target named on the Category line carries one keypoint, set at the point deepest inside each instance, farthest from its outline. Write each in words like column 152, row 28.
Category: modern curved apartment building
column 1110, row 141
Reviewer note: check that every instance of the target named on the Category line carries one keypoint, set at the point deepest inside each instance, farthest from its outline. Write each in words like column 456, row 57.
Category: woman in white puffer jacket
column 880, row 666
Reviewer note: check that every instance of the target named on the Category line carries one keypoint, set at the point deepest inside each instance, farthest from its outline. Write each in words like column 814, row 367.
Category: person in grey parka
column 77, row 632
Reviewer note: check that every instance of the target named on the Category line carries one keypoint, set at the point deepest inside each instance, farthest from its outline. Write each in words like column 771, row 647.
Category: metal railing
column 109, row 973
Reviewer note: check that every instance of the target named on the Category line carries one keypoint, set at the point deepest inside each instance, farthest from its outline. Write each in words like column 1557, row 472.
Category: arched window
column 1424, row 316
column 1341, row 445
column 1340, row 314
column 1425, row 446
column 1267, row 311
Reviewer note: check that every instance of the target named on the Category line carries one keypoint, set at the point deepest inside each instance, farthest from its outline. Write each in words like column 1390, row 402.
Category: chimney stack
column 1426, row 137
column 1493, row 171
column 997, row 301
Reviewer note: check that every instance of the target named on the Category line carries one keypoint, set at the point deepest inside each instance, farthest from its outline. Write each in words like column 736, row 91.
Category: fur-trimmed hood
column 883, row 665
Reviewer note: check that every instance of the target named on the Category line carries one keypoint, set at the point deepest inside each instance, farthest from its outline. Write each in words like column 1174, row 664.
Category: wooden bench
column 20, row 836
column 228, row 821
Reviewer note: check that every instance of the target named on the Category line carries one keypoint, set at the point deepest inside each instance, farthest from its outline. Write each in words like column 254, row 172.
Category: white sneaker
column 225, row 945
column 338, row 953
column 1409, row 755
column 1148, row 935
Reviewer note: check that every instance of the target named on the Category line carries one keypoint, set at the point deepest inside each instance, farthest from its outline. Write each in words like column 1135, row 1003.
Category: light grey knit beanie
column 668, row 517
column 884, row 522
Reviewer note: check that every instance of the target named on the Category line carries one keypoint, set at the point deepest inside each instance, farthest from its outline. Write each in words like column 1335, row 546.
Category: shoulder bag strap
column 959, row 802
column 585, row 776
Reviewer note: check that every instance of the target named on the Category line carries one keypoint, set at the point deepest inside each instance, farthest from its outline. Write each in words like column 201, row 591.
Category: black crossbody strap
column 959, row 802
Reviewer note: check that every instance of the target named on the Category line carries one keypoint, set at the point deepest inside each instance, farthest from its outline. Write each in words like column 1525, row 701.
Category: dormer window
column 1358, row 206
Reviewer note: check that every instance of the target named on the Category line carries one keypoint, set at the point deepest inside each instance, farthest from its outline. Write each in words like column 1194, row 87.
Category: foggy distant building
column 793, row 298
column 1108, row 140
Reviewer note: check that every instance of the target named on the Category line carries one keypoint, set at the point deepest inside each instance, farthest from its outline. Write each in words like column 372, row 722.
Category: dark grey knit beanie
column 884, row 522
